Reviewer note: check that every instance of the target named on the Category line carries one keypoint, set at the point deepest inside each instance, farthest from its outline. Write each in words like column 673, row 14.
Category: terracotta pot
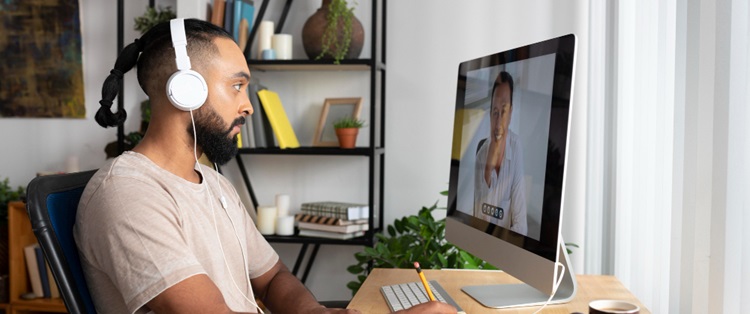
column 312, row 35
column 347, row 137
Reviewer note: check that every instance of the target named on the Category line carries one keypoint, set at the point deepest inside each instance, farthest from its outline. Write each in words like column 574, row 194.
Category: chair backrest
column 52, row 202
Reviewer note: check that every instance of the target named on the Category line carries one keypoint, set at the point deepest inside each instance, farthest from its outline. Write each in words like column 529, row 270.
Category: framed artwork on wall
column 42, row 73
column 334, row 109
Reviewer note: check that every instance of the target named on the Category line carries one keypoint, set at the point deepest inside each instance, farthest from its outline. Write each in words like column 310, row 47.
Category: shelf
column 20, row 235
column 363, row 240
column 326, row 151
column 312, row 65
column 40, row 305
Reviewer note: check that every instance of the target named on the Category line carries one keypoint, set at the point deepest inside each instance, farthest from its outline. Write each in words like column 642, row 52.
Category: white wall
column 426, row 42
column 32, row 145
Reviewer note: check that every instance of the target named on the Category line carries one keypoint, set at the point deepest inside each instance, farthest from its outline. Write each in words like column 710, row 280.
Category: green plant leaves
column 418, row 238
column 337, row 35
column 8, row 194
column 152, row 17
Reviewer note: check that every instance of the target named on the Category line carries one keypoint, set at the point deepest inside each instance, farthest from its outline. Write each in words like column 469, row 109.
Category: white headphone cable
column 216, row 228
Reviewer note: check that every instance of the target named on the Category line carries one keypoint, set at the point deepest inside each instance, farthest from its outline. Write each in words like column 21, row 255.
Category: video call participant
column 159, row 233
column 499, row 187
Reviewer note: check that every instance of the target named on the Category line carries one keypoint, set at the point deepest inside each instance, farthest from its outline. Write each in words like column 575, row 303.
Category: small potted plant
column 347, row 129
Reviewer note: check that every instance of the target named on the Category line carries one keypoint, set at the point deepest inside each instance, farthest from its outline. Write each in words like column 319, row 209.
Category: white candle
column 285, row 225
column 267, row 219
column 265, row 32
column 282, row 205
column 282, row 44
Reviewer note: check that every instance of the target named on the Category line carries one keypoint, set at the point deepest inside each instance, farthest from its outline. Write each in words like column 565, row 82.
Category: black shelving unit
column 375, row 152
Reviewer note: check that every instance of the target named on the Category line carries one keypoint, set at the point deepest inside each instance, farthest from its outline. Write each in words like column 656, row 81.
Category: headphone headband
column 179, row 42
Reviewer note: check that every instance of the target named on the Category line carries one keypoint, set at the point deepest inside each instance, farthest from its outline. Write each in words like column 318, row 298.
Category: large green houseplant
column 415, row 238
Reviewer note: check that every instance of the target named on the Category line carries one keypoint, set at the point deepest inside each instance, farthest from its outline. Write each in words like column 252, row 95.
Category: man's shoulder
column 125, row 168
column 123, row 177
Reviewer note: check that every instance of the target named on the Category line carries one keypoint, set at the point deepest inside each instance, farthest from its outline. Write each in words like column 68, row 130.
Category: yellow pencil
column 424, row 281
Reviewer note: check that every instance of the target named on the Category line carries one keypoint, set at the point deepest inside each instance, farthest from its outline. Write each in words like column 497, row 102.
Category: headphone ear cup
column 187, row 90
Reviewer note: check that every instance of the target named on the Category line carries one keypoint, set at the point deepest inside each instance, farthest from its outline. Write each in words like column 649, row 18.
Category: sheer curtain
column 669, row 119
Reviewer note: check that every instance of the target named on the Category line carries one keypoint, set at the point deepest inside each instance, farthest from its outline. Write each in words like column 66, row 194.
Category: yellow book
column 277, row 117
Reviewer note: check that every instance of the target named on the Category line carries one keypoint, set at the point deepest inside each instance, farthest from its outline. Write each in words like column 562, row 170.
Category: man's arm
column 282, row 292
column 196, row 294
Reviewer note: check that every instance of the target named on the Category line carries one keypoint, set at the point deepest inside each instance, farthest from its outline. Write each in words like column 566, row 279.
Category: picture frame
column 334, row 109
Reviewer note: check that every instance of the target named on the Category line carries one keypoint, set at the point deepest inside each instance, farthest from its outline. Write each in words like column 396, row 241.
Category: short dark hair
column 154, row 56
column 502, row 78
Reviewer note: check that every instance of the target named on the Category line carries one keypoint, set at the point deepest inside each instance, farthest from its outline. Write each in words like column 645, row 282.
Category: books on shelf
column 333, row 228
column 229, row 15
column 261, row 129
column 217, row 13
column 42, row 269
column 301, row 217
column 342, row 210
column 244, row 10
column 32, row 268
column 235, row 16
column 277, row 118
column 43, row 284
column 330, row 235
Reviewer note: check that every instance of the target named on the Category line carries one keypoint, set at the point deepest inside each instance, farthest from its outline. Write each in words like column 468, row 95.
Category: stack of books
column 333, row 220
column 236, row 17
column 43, row 284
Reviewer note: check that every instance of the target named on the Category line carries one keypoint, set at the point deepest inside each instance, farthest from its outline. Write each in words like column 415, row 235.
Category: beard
column 213, row 138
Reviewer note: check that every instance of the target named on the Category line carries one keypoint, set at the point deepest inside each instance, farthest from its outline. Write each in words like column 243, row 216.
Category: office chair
column 52, row 202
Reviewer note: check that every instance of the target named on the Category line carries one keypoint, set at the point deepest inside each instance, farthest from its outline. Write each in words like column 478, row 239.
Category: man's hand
column 430, row 307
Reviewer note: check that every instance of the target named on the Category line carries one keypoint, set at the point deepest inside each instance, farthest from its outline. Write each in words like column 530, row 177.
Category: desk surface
column 590, row 287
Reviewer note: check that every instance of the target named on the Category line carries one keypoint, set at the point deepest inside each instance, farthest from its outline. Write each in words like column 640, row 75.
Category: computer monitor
column 508, row 166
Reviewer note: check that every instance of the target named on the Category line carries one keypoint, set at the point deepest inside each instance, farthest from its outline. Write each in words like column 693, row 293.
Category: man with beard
column 499, row 188
column 158, row 232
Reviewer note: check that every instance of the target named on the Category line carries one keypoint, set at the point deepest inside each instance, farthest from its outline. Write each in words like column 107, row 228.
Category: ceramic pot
column 312, row 35
column 347, row 137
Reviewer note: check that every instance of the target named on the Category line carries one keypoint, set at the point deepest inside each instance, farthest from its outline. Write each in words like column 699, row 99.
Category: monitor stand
column 516, row 295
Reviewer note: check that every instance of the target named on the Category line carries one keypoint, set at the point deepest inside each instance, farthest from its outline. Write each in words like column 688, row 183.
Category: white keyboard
column 405, row 295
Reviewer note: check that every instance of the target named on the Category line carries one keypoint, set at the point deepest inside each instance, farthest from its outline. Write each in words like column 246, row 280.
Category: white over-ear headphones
column 186, row 89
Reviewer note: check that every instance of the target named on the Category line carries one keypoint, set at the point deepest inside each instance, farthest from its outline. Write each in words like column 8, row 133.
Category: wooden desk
column 369, row 299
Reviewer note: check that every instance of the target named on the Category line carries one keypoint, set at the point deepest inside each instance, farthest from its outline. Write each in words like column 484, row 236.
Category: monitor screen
column 508, row 160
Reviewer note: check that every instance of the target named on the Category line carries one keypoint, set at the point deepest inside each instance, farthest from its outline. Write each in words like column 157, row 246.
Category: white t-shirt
column 141, row 229
column 503, row 202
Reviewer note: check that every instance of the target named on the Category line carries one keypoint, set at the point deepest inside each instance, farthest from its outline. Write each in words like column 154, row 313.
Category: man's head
column 218, row 59
column 157, row 60
column 501, row 105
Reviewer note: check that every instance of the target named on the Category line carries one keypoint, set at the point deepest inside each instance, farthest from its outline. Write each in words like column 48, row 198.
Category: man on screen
column 499, row 188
